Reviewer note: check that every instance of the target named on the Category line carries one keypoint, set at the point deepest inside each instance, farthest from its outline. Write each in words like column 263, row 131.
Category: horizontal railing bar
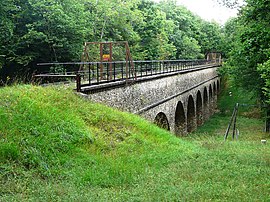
column 121, row 62
column 55, row 75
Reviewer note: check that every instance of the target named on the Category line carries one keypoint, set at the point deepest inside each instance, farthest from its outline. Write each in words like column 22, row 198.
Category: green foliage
column 231, row 31
column 248, row 50
column 6, row 26
column 264, row 70
column 231, row 3
column 35, row 31
column 249, row 47
column 211, row 38
column 192, row 36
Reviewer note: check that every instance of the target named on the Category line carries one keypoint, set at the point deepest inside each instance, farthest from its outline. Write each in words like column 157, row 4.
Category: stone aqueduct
column 179, row 102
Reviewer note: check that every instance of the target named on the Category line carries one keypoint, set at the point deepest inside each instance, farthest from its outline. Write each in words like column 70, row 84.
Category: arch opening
column 218, row 86
column 191, row 120
column 211, row 100
column 180, row 119
column 215, row 89
column 210, row 92
column 162, row 121
column 199, row 109
column 205, row 97
column 205, row 104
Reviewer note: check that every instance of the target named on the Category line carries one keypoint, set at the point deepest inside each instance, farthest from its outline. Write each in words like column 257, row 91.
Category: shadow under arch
column 218, row 86
column 210, row 92
column 215, row 89
column 162, row 121
column 205, row 104
column 191, row 121
column 205, row 97
column 180, row 119
column 199, row 109
column 211, row 100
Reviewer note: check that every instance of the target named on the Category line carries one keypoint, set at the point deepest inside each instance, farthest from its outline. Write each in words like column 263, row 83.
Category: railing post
column 98, row 73
column 89, row 74
column 108, row 71
column 152, row 67
column 78, row 82
column 114, row 73
column 141, row 69
column 122, row 70
column 33, row 78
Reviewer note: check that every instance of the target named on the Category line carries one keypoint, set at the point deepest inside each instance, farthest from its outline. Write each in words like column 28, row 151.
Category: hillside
column 56, row 146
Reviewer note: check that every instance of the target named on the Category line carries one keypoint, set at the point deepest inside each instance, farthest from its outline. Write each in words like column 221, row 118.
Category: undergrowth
column 56, row 146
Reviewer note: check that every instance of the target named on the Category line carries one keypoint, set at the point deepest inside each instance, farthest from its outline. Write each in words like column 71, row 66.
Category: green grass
column 56, row 146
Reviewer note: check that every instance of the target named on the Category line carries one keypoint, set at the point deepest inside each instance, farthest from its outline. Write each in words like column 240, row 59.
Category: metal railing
column 118, row 71
column 96, row 73
column 232, row 122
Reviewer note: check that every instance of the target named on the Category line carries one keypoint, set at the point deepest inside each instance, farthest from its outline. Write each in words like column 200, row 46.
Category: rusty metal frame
column 129, row 60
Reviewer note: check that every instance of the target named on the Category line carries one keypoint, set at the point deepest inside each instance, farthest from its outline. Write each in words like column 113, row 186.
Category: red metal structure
column 108, row 57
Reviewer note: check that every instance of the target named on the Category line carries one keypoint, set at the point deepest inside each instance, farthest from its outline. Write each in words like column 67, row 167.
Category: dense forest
column 35, row 31
column 248, row 49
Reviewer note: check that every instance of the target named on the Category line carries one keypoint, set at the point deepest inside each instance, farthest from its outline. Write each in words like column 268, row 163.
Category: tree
column 44, row 31
column 251, row 48
column 182, row 33
column 211, row 38
column 154, row 32
column 7, row 8
column 251, row 45
column 114, row 20
column 192, row 36
column 231, row 3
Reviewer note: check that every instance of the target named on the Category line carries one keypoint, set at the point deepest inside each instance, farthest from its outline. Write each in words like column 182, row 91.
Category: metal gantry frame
column 129, row 61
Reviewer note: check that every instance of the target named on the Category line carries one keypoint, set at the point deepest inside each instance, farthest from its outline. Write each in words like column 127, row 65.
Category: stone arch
column 211, row 100
column 215, row 89
column 205, row 104
column 218, row 86
column 199, row 108
column 162, row 121
column 215, row 96
column 210, row 92
column 205, row 97
column 191, row 119
column 180, row 119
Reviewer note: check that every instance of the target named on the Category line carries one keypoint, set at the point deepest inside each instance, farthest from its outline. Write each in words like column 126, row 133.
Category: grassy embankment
column 57, row 146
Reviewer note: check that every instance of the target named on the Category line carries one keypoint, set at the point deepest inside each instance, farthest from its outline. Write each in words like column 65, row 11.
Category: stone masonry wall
column 132, row 98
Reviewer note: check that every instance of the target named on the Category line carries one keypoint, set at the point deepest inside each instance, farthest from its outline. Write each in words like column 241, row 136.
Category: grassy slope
column 57, row 146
